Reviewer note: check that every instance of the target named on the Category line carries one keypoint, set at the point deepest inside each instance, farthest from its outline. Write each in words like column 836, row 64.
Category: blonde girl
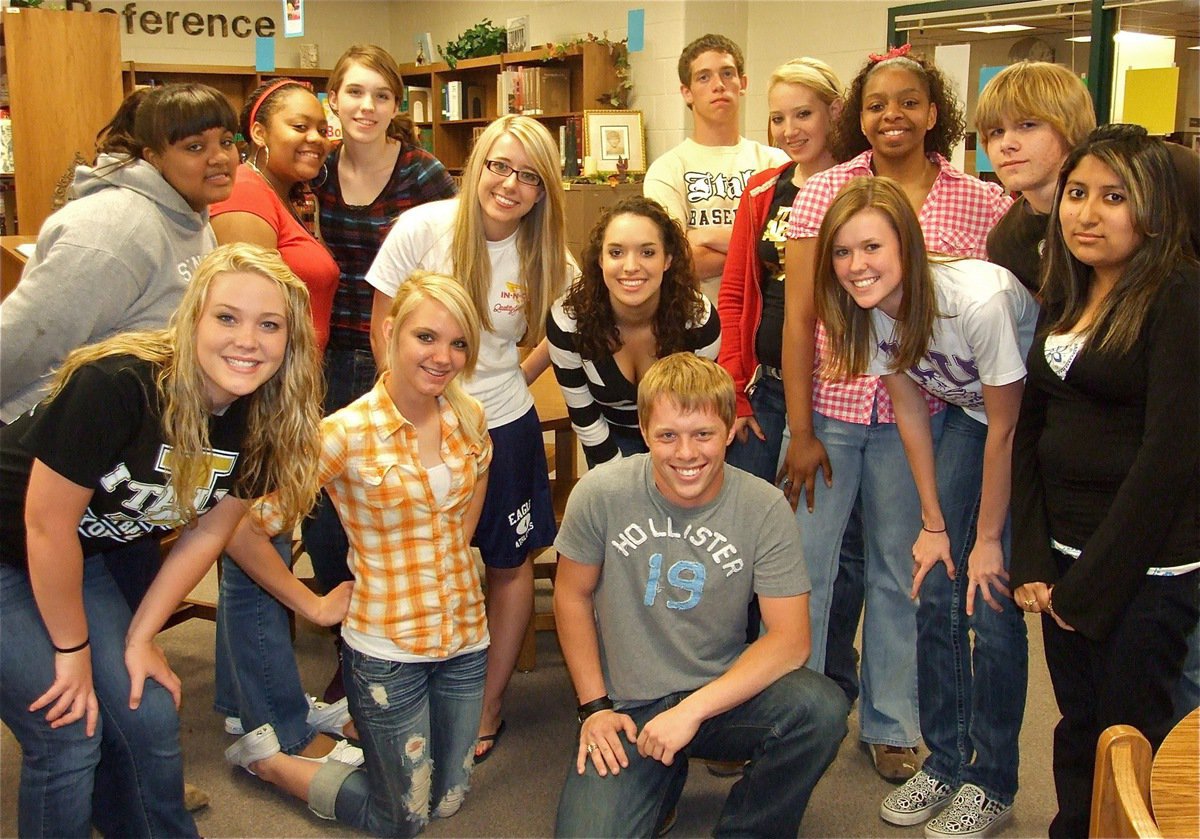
column 504, row 239
column 406, row 467
column 142, row 434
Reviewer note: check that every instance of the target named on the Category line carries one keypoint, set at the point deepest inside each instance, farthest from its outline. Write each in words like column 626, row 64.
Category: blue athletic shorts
column 518, row 514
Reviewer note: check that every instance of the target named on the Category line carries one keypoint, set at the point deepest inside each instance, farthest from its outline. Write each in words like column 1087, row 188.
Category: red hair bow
column 894, row 52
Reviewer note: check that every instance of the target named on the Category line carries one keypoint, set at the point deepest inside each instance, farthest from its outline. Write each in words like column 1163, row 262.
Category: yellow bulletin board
column 1150, row 97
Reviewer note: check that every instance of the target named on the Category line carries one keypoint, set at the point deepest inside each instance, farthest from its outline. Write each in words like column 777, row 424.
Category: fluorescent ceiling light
column 1081, row 39
column 1137, row 37
column 993, row 28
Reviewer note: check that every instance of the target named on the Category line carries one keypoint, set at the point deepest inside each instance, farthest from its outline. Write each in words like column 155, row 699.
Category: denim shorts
column 518, row 513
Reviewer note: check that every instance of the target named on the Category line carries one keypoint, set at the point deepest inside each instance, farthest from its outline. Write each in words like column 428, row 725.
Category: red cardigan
column 739, row 302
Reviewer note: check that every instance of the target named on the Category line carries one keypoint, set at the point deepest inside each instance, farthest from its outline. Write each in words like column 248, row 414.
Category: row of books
column 533, row 90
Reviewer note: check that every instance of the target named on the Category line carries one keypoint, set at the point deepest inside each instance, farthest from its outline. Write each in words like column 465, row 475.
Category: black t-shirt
column 768, row 341
column 1017, row 242
column 104, row 430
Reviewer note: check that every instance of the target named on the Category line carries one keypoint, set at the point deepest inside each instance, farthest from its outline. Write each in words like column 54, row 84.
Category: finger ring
column 785, row 483
column 1030, row 603
column 591, row 747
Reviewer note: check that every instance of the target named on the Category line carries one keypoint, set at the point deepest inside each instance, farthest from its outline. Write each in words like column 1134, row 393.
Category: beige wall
column 770, row 32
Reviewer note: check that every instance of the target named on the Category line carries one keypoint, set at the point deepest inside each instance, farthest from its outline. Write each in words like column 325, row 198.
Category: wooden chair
column 1121, row 786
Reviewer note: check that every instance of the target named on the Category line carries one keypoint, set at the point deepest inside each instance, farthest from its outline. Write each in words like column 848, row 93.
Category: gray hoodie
column 115, row 258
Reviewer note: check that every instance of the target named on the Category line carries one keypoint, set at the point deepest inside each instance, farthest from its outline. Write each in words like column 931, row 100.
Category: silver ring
column 591, row 747
column 785, row 483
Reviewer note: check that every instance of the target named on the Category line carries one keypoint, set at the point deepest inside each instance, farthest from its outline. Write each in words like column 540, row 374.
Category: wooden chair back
column 1121, row 786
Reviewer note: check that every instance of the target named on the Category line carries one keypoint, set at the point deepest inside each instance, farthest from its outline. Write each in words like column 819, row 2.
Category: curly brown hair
column 680, row 301
column 848, row 138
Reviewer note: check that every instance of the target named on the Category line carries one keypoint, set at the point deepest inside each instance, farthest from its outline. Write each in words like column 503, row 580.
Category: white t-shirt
column 700, row 185
column 981, row 338
column 421, row 238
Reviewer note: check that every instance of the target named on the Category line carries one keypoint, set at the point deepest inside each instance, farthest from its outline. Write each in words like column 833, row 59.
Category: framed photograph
column 517, row 39
column 293, row 18
column 612, row 135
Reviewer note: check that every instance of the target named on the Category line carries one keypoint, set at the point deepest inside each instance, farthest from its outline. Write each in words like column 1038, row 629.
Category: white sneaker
column 323, row 716
column 259, row 744
column 970, row 814
column 915, row 800
column 342, row 752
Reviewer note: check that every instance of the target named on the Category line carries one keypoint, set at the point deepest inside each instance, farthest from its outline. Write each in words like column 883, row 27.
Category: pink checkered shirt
column 955, row 220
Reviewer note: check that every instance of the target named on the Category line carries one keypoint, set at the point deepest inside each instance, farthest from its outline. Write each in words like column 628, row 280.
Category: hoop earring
column 253, row 161
column 324, row 176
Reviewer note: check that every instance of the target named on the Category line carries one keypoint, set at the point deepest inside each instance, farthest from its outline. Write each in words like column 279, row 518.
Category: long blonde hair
column 282, row 441
column 851, row 331
column 541, row 237
column 448, row 292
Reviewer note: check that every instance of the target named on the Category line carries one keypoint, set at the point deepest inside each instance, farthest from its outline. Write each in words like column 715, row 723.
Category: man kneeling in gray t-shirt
column 659, row 556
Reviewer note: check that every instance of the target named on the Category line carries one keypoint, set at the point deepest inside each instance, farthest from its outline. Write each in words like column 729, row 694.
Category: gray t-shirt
column 672, row 596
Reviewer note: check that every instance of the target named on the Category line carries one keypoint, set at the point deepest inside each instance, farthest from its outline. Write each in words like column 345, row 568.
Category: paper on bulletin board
column 264, row 54
column 982, row 164
column 1150, row 98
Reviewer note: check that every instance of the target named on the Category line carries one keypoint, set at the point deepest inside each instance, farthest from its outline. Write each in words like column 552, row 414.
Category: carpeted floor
column 515, row 793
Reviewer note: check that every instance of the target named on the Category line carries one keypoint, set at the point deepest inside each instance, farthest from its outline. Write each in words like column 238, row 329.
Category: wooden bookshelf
column 235, row 82
column 593, row 74
column 64, row 84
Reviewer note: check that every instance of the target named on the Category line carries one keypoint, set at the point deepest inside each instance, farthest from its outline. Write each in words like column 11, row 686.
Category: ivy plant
column 484, row 38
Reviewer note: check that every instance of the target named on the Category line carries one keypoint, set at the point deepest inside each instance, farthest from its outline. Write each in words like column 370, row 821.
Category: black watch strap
column 588, row 708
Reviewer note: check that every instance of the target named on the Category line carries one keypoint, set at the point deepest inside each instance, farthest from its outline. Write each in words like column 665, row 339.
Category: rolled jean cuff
column 323, row 789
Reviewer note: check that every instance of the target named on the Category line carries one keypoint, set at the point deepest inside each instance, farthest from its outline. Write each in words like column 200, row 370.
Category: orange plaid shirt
column 416, row 581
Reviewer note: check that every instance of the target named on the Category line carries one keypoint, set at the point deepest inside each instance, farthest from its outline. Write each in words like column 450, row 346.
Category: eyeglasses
column 523, row 175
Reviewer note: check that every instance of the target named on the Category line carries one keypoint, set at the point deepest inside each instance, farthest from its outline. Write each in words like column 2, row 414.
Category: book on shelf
column 454, row 100
column 419, row 103
column 427, row 138
column 473, row 106
column 533, row 90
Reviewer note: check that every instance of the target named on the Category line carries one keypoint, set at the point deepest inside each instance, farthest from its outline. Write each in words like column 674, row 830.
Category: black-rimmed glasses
column 523, row 175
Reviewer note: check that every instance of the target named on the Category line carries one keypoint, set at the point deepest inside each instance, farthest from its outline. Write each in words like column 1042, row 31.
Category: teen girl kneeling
column 959, row 329
column 405, row 465
column 142, row 433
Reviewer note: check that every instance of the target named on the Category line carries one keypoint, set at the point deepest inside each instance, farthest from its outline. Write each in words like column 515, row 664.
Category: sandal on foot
column 494, row 739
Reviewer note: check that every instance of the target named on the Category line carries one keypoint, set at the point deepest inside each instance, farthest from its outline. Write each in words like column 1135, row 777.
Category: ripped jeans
column 417, row 723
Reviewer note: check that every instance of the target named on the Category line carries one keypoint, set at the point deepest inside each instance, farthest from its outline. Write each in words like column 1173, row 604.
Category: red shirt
column 307, row 257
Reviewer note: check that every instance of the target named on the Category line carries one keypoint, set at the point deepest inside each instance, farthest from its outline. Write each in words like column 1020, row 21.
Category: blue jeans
column 789, row 732
column 1187, row 692
column 629, row 441
column 127, row 779
column 348, row 375
column 869, row 464
column 256, row 674
column 845, row 607
column 418, row 723
column 972, row 699
column 761, row 457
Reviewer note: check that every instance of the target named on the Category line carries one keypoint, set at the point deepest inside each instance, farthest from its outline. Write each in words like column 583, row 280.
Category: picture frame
column 517, row 34
column 611, row 135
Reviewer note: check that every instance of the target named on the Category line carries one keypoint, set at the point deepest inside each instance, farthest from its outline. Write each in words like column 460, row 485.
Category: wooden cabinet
column 64, row 81
column 593, row 74
column 583, row 204
column 237, row 83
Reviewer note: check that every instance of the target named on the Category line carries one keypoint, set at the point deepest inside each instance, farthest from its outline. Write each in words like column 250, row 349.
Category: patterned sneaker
column 914, row 801
column 329, row 718
column 970, row 814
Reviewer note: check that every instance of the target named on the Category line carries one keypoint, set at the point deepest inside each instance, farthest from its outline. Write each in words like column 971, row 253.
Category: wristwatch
column 588, row 708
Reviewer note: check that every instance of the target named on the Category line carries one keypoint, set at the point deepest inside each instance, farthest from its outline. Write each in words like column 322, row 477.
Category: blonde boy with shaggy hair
column 1029, row 116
